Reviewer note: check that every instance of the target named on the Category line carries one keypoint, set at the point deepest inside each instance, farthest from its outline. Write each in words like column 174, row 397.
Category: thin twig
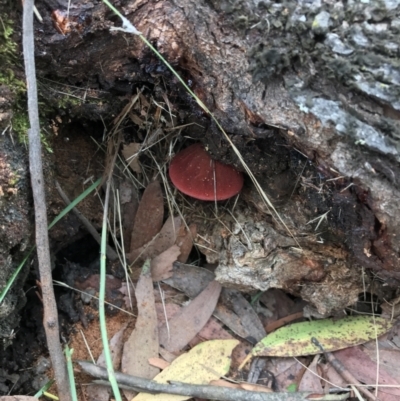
column 111, row 254
column 343, row 371
column 192, row 390
column 50, row 316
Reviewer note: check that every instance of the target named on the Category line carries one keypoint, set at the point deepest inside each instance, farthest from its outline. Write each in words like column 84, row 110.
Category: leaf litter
column 163, row 240
column 189, row 324
column 205, row 362
column 102, row 393
column 213, row 330
column 161, row 266
column 364, row 369
column 149, row 217
column 232, row 309
column 183, row 327
column 166, row 242
column 143, row 343
column 310, row 380
column 130, row 153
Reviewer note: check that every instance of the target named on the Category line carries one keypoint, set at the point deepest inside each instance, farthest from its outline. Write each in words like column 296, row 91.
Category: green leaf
column 295, row 340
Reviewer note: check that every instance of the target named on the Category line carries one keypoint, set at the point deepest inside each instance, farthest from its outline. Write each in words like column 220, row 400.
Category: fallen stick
column 201, row 391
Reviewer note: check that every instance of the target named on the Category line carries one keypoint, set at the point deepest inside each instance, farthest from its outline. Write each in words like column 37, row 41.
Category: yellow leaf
column 207, row 361
column 295, row 340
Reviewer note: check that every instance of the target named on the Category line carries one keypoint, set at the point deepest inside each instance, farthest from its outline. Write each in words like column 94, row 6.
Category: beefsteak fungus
column 196, row 174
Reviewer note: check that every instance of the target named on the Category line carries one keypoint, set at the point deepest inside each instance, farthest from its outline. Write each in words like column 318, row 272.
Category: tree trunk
column 307, row 91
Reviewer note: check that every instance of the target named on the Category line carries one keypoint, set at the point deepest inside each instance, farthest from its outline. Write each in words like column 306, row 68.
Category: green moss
column 61, row 95
column 9, row 57
column 20, row 125
column 9, row 62
column 8, row 46
column 53, row 96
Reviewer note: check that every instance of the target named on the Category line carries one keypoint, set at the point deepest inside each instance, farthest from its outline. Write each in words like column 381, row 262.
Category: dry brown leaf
column 239, row 354
column 255, row 387
column 143, row 101
column 332, row 376
column 129, row 205
column 168, row 356
column 136, row 119
column 185, row 240
column 159, row 363
column 149, row 217
column 168, row 309
column 233, row 309
column 116, row 346
column 164, row 240
column 191, row 319
column 311, row 380
column 161, row 265
column 284, row 321
column 143, row 342
column 287, row 371
column 127, row 290
column 223, row 383
column 213, row 330
column 131, row 155
column 360, row 365
column 388, row 359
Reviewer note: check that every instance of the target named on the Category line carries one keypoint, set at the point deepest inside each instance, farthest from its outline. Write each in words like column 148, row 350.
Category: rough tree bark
column 320, row 78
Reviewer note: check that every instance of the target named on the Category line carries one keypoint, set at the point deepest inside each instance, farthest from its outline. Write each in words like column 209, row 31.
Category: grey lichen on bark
column 324, row 75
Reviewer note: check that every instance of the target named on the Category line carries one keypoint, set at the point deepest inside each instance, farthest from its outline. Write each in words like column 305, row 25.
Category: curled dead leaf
column 149, row 216
column 160, row 243
column 131, row 155
column 161, row 265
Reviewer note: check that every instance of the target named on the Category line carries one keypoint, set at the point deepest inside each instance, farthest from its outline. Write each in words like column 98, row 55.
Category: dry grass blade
column 113, row 146
column 115, row 139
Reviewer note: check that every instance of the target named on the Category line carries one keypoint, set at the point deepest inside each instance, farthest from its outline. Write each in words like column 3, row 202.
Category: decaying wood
column 319, row 76
column 308, row 92
column 312, row 77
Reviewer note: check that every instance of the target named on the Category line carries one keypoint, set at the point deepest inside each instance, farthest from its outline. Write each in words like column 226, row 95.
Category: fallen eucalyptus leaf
column 142, row 344
column 205, row 362
column 295, row 339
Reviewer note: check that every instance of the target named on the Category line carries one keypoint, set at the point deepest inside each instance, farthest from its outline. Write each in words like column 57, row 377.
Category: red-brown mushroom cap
column 194, row 173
